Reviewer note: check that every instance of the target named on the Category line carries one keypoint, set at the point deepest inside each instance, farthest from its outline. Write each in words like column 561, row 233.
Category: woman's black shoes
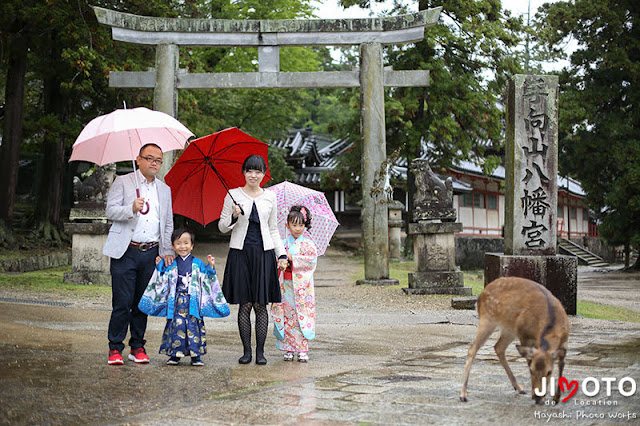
column 260, row 359
column 245, row 359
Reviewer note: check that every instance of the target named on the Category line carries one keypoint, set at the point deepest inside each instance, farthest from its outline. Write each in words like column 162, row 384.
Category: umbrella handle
column 233, row 199
column 143, row 211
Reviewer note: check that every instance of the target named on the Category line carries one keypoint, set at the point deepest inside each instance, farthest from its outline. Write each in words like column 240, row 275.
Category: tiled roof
column 303, row 144
column 300, row 144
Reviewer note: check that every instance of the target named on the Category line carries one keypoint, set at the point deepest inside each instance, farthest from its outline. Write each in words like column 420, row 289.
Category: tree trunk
column 49, row 204
column 12, row 132
column 49, row 201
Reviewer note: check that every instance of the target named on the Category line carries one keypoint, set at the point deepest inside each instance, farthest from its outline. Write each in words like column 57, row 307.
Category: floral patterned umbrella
column 323, row 221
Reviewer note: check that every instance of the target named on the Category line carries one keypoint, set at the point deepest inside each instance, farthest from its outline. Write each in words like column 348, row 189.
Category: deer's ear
column 526, row 351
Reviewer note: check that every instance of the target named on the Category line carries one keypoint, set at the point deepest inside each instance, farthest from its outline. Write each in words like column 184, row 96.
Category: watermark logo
column 590, row 386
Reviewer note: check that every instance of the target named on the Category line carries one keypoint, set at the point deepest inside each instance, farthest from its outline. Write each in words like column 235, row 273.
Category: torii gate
column 167, row 34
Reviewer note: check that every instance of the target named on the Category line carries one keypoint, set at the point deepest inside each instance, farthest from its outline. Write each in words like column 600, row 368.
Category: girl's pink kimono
column 295, row 318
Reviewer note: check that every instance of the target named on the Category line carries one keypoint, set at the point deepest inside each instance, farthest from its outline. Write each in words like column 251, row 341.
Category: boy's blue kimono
column 205, row 294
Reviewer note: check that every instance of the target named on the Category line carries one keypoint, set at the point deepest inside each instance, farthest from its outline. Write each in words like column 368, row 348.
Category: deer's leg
column 501, row 347
column 485, row 328
column 556, row 398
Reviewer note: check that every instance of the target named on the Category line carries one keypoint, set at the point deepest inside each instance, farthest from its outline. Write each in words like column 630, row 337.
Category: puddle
column 398, row 378
column 624, row 354
column 63, row 326
column 34, row 302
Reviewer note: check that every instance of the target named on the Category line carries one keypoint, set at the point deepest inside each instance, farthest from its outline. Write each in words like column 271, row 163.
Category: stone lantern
column 432, row 226
column 89, row 228
column 395, row 229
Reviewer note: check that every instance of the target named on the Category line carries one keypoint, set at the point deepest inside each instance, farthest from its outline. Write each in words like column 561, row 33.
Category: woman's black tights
column 244, row 326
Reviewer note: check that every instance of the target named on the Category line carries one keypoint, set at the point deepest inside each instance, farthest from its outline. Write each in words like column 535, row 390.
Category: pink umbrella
column 323, row 221
column 119, row 135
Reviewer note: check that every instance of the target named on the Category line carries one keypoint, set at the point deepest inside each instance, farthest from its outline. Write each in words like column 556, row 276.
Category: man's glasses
column 152, row 160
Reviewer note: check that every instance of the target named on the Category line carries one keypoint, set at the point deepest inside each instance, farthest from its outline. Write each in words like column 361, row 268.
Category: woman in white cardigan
column 256, row 253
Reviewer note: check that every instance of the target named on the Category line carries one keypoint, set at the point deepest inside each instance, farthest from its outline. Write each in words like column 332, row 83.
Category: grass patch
column 606, row 312
column 475, row 280
column 11, row 254
column 49, row 280
column 399, row 270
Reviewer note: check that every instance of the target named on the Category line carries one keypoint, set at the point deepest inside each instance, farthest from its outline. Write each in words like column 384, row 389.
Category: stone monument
column 531, row 192
column 89, row 228
column 432, row 225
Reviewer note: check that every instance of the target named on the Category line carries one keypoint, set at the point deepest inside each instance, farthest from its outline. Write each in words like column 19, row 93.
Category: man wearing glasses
column 141, row 230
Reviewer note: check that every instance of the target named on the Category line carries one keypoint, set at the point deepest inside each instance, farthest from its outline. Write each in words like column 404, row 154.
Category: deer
column 526, row 310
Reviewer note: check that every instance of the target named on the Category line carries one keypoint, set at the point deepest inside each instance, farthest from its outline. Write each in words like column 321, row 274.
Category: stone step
column 464, row 302
column 583, row 255
column 462, row 291
column 428, row 279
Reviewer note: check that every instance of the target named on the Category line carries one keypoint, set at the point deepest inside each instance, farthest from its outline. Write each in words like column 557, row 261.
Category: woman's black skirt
column 251, row 275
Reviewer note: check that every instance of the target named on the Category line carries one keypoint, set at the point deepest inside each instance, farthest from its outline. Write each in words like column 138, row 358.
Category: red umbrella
column 207, row 169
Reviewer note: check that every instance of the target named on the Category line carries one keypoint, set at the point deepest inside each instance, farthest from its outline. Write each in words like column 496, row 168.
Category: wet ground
column 378, row 358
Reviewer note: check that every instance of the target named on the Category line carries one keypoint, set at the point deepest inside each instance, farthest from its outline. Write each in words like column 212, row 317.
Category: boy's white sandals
column 288, row 356
column 303, row 357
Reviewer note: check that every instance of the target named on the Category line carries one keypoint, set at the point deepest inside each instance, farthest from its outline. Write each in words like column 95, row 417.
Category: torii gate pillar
column 165, row 93
column 375, row 213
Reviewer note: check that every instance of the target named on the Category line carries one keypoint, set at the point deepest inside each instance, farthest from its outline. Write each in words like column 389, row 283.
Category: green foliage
column 264, row 113
column 470, row 53
column 278, row 167
column 599, row 114
column 71, row 55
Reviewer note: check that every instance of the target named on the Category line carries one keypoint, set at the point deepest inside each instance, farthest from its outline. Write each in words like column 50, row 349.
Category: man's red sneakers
column 139, row 356
column 115, row 357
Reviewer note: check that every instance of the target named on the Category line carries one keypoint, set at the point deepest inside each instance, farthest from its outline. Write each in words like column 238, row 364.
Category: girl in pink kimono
column 295, row 318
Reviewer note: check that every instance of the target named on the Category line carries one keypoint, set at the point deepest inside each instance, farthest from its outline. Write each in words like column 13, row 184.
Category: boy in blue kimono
column 185, row 292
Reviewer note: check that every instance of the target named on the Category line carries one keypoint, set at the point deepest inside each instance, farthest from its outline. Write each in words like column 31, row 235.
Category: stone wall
column 35, row 263
column 598, row 246
column 470, row 250
column 594, row 245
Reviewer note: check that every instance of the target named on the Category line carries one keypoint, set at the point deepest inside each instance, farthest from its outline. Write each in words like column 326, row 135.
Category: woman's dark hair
column 300, row 214
column 178, row 233
column 254, row 162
